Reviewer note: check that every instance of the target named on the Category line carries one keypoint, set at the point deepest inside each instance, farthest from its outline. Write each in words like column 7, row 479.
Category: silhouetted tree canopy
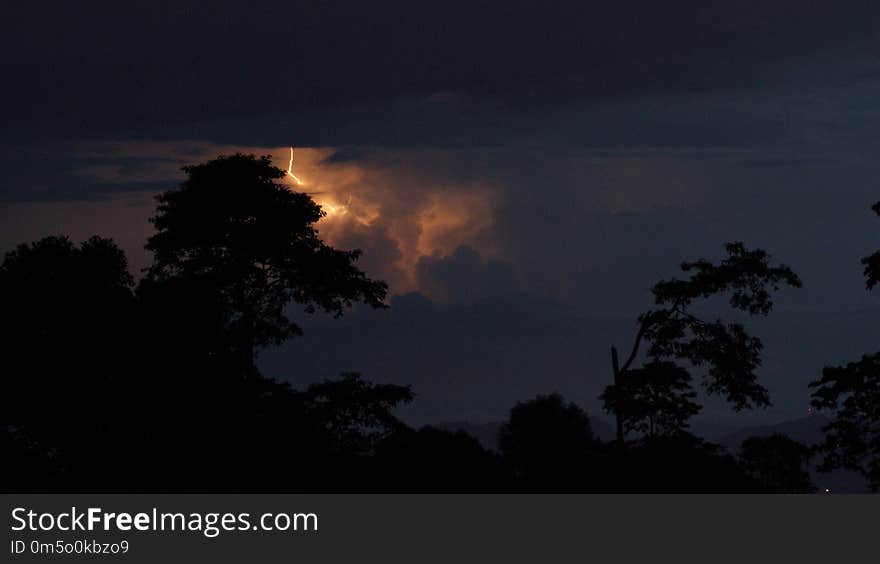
column 356, row 414
column 872, row 261
column 656, row 399
column 677, row 463
column 244, row 236
column 182, row 330
column 851, row 393
column 674, row 331
column 105, row 386
column 434, row 460
column 65, row 330
column 53, row 273
column 546, row 440
column 730, row 354
column 779, row 464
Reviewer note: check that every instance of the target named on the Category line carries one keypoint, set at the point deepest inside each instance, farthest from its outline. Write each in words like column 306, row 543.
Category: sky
column 521, row 173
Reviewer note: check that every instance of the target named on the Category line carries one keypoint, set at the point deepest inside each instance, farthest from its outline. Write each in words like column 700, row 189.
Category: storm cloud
column 520, row 173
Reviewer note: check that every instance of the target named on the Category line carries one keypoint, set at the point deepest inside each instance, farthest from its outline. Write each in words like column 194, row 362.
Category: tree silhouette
column 872, row 261
column 852, row 439
column 779, row 463
column 656, row 399
column 67, row 340
column 852, row 394
column 434, row 460
column 357, row 415
column 546, row 442
column 235, row 230
column 674, row 331
column 677, row 463
column 64, row 332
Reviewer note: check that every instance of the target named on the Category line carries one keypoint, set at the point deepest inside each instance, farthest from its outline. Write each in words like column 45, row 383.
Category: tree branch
column 643, row 327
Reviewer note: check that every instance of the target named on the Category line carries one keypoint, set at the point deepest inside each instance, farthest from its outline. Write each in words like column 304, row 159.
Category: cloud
column 591, row 227
column 573, row 153
column 88, row 170
column 142, row 67
column 396, row 207
column 464, row 276
column 774, row 163
column 382, row 258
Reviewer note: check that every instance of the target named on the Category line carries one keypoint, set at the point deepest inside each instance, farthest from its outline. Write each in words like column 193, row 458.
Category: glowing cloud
column 331, row 208
column 396, row 206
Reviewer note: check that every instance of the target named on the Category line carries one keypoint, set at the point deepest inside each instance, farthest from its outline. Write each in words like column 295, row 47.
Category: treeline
column 109, row 383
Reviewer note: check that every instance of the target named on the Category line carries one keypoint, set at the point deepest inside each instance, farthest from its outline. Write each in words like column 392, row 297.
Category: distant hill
column 806, row 430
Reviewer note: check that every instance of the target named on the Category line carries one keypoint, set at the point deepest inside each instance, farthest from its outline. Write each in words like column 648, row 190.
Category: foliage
column 64, row 330
column 356, row 414
column 656, row 399
column 852, row 394
column 435, row 460
column 872, row 261
column 247, row 238
column 546, row 439
column 61, row 274
column 726, row 349
column 852, row 439
column 678, row 463
column 675, row 332
column 779, row 463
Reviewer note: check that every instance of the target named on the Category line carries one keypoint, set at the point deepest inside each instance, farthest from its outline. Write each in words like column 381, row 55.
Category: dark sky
column 520, row 172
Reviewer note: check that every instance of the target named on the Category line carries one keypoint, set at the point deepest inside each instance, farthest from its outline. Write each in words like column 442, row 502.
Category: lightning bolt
column 331, row 208
column 290, row 169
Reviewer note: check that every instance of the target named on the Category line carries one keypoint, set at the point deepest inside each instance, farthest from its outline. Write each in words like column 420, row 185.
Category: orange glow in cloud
column 326, row 189
column 366, row 197
column 330, row 208
column 382, row 200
